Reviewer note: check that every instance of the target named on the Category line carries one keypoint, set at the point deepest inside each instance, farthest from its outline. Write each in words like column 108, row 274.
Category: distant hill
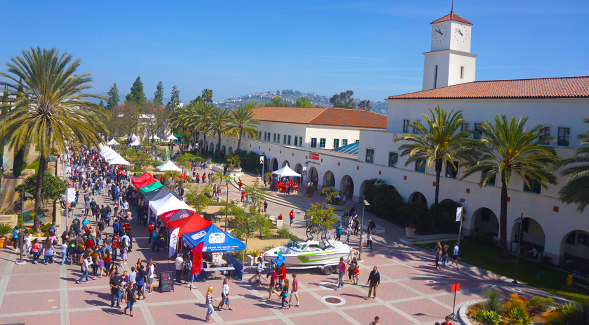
column 290, row 96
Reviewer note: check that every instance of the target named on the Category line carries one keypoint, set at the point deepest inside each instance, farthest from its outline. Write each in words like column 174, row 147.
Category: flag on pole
column 70, row 195
column 458, row 214
column 197, row 259
column 173, row 241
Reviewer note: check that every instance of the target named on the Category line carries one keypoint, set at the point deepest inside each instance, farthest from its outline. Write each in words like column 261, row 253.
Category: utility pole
column 364, row 204
column 519, row 220
column 463, row 201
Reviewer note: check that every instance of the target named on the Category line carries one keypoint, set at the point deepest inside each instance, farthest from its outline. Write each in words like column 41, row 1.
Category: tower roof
column 452, row 16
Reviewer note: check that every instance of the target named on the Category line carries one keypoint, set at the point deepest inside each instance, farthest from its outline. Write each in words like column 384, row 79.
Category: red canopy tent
column 141, row 178
column 189, row 224
column 146, row 182
column 176, row 215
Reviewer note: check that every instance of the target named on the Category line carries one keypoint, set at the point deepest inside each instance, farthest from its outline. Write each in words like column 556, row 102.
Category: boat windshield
column 324, row 244
column 295, row 246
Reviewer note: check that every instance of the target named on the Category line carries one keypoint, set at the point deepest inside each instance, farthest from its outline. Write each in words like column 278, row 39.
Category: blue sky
column 237, row 47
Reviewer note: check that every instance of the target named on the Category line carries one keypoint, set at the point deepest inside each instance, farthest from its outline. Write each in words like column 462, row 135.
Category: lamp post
column 463, row 201
column 364, row 204
column 519, row 220
column 20, row 238
column 226, row 202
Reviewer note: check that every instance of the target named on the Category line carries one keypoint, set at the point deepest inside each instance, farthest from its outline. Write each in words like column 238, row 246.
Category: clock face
column 440, row 33
column 460, row 33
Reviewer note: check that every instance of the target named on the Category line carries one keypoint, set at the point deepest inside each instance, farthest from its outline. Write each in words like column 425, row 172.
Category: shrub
column 514, row 302
column 540, row 304
column 519, row 316
column 487, row 317
column 157, row 163
column 492, row 300
column 310, row 189
column 574, row 314
column 483, row 237
column 554, row 318
column 283, row 233
column 5, row 229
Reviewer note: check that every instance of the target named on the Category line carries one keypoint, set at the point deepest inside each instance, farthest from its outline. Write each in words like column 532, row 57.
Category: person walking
column 150, row 276
column 224, row 296
column 284, row 294
column 338, row 232
column 282, row 275
column 84, row 269
column 130, row 298
column 272, row 288
column 295, row 290
column 209, row 300
column 292, row 216
column 444, row 255
column 376, row 321
column 265, row 206
column 438, row 253
column 115, row 287
column 455, row 255
column 178, row 263
column 373, row 282
column 342, row 272
column 369, row 240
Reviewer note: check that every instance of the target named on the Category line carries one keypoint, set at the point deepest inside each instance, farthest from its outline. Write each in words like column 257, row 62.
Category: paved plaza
column 412, row 291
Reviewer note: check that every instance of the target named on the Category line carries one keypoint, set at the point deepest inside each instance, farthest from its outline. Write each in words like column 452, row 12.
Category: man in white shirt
column 179, row 261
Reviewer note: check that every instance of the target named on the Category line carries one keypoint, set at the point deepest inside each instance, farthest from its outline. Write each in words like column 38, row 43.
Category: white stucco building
column 559, row 104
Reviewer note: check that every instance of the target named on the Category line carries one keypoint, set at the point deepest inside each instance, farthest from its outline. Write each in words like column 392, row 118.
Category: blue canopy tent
column 216, row 240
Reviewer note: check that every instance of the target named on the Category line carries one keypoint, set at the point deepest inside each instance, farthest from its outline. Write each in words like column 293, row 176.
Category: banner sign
column 197, row 259
column 314, row 156
column 173, row 242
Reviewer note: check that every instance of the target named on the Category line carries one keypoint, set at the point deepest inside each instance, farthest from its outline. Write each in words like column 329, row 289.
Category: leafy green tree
column 50, row 111
column 365, row 105
column 322, row 216
column 113, row 97
column 255, row 193
column 19, row 161
column 101, row 104
column 220, row 120
column 576, row 189
column 199, row 196
column 174, row 99
column 139, row 158
column 53, row 187
column 343, row 99
column 303, row 102
column 136, row 95
column 243, row 122
column 247, row 223
column 505, row 148
column 207, row 96
column 158, row 96
column 438, row 143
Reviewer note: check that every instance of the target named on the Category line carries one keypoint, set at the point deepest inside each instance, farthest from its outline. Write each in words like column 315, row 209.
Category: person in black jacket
column 373, row 281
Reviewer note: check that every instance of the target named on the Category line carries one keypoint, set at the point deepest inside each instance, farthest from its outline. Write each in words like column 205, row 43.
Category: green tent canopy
column 153, row 186
column 177, row 136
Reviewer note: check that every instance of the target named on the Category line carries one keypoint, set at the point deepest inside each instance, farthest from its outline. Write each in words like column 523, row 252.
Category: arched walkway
column 532, row 234
column 223, row 149
column 230, row 150
column 347, row 183
column 328, row 179
column 484, row 218
column 211, row 147
column 574, row 247
column 313, row 176
column 417, row 197
column 274, row 164
column 285, row 163
column 298, row 168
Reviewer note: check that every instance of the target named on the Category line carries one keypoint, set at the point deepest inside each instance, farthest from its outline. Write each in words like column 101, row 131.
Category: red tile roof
column 322, row 116
column 564, row 87
column 452, row 16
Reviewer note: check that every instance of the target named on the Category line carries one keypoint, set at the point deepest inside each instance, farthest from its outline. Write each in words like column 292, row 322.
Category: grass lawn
column 484, row 257
column 34, row 165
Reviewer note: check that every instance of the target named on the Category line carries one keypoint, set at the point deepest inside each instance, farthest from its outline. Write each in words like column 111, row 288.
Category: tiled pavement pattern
column 411, row 292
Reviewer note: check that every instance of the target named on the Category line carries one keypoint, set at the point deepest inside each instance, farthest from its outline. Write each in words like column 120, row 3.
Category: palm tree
column 205, row 112
column 439, row 143
column 505, row 148
column 243, row 122
column 207, row 96
column 220, row 125
column 51, row 107
column 576, row 189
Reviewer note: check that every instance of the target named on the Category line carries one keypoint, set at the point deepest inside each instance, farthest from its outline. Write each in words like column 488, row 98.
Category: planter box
column 310, row 195
column 336, row 207
column 300, row 194
column 3, row 242
column 409, row 232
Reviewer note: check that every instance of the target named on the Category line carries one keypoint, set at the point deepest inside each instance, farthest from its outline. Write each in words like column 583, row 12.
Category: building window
column 465, row 127
column 415, row 129
column 344, row 142
column 393, row 159
column 406, row 126
column 278, row 138
column 571, row 238
column 259, row 135
column 284, row 140
column 461, row 72
column 335, row 143
column 491, row 181
column 533, row 187
column 477, row 131
column 356, row 141
column 289, row 140
column 545, row 133
column 301, row 141
column 436, row 76
column 313, row 142
column 322, row 143
column 274, row 137
column 370, row 156
column 451, row 171
column 486, row 215
column 563, row 136
column 583, row 239
column 420, row 165
column 296, row 141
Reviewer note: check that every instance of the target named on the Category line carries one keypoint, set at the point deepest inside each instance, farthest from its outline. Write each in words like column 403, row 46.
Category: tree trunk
column 239, row 140
column 219, row 148
column 432, row 226
column 503, row 216
column 38, row 190
column 205, row 148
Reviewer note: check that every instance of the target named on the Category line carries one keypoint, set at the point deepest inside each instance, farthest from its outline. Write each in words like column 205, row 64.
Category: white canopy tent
column 110, row 155
column 135, row 143
column 112, row 142
column 168, row 165
column 118, row 160
column 171, row 137
column 166, row 204
column 134, row 137
column 154, row 137
column 286, row 172
column 105, row 151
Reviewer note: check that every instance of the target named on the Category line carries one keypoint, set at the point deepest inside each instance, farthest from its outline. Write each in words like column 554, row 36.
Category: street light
column 365, row 203
column 519, row 242
column 463, row 201
column 22, row 222
column 226, row 202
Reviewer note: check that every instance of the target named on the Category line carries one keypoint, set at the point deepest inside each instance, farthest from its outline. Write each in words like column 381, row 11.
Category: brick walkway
column 411, row 292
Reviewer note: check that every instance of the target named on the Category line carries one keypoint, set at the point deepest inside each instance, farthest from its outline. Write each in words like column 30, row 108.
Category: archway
column 211, row 147
column 298, row 168
column 532, row 234
column 313, row 176
column 347, row 184
column 285, row 163
column 574, row 249
column 417, row 197
column 485, row 218
column 328, row 179
column 274, row 164
column 230, row 150
column 223, row 149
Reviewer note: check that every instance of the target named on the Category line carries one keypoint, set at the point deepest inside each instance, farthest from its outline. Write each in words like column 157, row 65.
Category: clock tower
column 449, row 62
